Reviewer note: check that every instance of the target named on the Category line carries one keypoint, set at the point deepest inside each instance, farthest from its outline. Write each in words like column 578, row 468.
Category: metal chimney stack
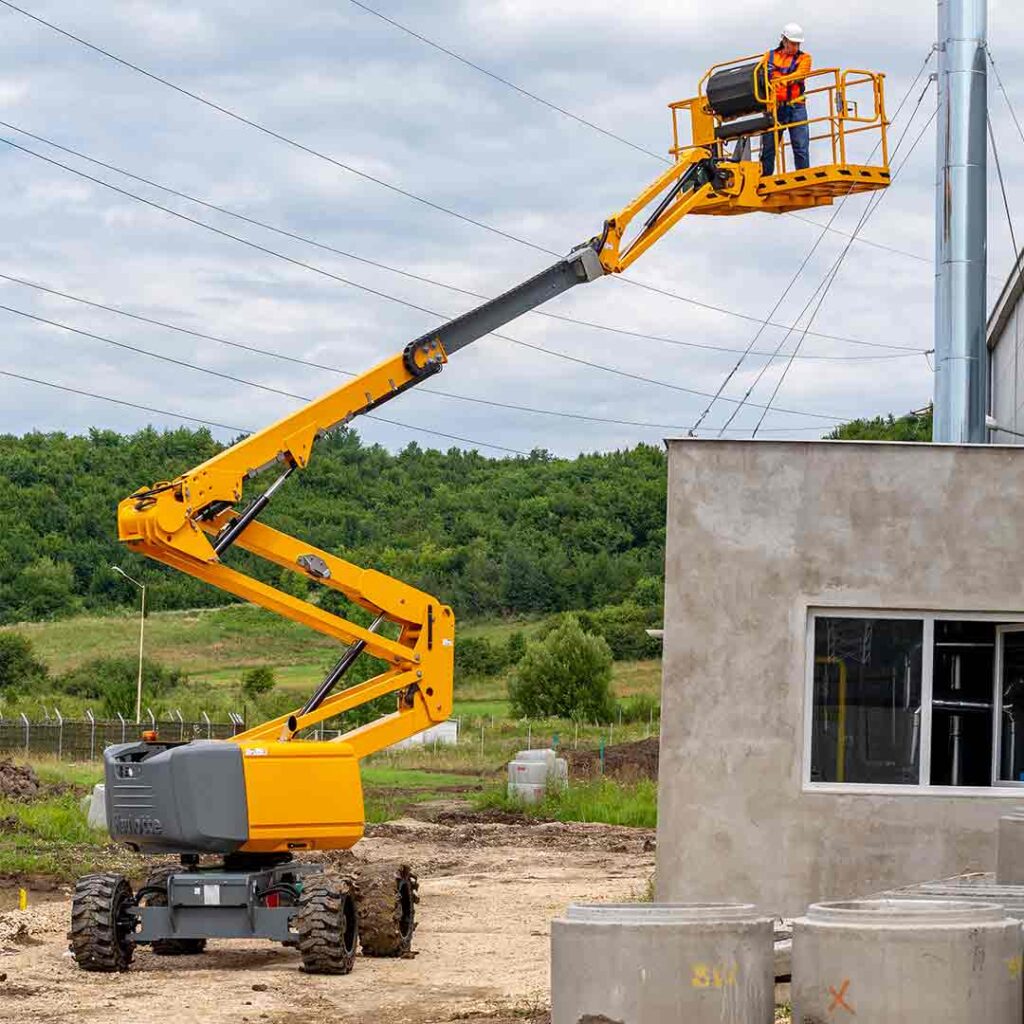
column 961, row 353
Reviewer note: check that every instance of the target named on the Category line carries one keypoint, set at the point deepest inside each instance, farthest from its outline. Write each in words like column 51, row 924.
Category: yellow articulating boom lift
column 260, row 798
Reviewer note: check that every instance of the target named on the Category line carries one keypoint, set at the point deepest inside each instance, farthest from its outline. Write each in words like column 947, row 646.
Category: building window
column 867, row 700
column 899, row 699
column 962, row 703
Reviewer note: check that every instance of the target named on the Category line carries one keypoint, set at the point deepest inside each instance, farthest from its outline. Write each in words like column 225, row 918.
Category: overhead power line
column 596, row 127
column 256, row 125
column 1002, row 187
column 373, row 291
column 255, row 384
column 240, row 430
column 804, row 263
column 419, row 277
column 1006, row 95
column 122, row 401
column 24, row 378
column 830, row 278
column 311, row 151
column 297, row 360
column 511, row 85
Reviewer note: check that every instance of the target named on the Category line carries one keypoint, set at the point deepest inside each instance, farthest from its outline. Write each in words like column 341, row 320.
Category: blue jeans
column 799, row 138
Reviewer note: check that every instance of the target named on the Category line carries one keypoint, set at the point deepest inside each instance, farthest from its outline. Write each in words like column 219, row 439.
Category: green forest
column 489, row 536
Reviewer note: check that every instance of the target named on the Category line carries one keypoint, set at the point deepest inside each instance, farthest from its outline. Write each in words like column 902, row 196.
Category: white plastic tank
column 445, row 734
column 546, row 756
column 650, row 963
column 532, row 772
column 527, row 792
column 903, row 961
column 96, row 814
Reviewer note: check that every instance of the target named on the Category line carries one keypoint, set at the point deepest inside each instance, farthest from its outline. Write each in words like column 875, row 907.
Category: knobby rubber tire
column 327, row 925
column 100, row 940
column 168, row 947
column 388, row 894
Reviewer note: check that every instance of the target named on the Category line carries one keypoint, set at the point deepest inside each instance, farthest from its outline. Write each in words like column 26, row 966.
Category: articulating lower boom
column 261, row 796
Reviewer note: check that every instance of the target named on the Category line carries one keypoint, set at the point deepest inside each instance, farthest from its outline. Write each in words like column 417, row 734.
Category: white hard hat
column 793, row 32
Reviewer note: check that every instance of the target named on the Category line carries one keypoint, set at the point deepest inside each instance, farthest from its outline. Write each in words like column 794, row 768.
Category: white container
column 96, row 815
column 444, row 734
column 907, row 962
column 650, row 963
column 561, row 774
column 534, row 773
column 528, row 793
column 547, row 756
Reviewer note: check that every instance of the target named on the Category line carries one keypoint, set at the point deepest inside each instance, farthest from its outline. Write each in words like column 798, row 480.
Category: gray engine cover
column 187, row 798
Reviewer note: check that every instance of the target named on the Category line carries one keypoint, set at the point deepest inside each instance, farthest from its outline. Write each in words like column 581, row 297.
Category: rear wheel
column 327, row 925
column 101, row 929
column 157, row 882
column 388, row 894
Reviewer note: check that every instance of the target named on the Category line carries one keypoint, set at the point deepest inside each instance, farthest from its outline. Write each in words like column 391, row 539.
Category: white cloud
column 353, row 87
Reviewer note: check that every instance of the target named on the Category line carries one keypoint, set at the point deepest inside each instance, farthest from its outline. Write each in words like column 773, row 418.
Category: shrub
column 113, row 682
column 643, row 707
column 478, row 656
column 44, row 589
column 515, row 647
column 566, row 675
column 257, row 681
column 649, row 592
column 19, row 668
column 624, row 626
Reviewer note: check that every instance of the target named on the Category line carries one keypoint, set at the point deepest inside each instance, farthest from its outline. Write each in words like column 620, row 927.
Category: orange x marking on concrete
column 839, row 999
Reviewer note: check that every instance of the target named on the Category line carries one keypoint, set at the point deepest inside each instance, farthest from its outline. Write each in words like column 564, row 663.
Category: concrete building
column 843, row 694
column 1006, row 361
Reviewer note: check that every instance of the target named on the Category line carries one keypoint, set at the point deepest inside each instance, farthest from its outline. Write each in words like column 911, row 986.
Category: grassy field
column 212, row 644
column 600, row 801
column 49, row 836
column 215, row 646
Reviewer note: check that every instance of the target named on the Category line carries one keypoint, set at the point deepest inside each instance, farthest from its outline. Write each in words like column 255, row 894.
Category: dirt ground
column 626, row 762
column 488, row 892
column 17, row 781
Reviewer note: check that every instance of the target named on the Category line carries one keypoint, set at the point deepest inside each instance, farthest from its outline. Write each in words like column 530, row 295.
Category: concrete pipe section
column 903, row 961
column 1010, row 851
column 649, row 963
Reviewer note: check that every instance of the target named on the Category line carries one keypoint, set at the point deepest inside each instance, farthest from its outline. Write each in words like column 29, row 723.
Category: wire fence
column 85, row 740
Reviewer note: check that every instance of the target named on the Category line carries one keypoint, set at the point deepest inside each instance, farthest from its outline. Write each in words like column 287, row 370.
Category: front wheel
column 101, row 929
column 327, row 925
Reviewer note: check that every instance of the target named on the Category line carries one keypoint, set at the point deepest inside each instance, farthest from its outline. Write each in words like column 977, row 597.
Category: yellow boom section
column 178, row 523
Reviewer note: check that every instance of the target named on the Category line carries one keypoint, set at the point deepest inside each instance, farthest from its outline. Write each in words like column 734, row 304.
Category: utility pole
column 142, row 632
column 961, row 352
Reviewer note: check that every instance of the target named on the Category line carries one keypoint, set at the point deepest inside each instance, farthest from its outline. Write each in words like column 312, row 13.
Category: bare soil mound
column 554, row 835
column 18, row 781
column 626, row 762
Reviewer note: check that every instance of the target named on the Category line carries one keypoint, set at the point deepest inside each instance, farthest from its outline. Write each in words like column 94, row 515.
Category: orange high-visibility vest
column 782, row 66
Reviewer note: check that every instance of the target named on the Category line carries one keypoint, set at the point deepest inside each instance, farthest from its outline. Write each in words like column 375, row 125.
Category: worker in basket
column 787, row 67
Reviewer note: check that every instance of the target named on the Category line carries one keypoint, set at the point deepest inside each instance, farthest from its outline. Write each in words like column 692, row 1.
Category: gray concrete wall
column 758, row 532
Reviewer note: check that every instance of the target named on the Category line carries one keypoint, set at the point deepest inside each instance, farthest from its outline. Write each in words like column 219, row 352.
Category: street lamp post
column 142, row 630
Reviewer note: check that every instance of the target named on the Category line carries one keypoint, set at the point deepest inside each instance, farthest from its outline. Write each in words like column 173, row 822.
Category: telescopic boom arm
column 192, row 522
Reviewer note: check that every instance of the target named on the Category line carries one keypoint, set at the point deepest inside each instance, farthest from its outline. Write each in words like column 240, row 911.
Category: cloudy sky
column 342, row 81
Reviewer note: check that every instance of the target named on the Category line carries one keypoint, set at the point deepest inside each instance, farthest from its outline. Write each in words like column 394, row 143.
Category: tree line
column 489, row 536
